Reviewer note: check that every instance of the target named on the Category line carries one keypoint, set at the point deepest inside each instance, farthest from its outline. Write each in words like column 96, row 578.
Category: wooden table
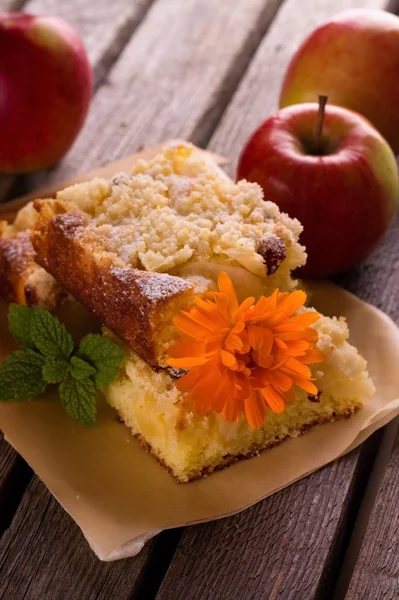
column 208, row 71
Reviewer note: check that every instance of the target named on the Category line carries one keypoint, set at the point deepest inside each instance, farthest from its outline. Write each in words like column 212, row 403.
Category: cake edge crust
column 229, row 459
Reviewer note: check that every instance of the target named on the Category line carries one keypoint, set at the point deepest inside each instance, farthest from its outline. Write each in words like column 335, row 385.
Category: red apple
column 354, row 60
column 45, row 90
column 341, row 183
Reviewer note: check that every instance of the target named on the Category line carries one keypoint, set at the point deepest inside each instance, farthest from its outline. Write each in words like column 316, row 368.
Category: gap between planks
column 15, row 475
column 365, row 509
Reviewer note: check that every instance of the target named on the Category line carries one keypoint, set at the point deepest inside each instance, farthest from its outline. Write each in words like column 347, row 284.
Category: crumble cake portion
column 190, row 444
column 174, row 214
column 179, row 208
column 22, row 280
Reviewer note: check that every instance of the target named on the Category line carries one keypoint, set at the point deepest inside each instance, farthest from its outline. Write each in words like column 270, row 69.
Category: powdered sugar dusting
column 154, row 286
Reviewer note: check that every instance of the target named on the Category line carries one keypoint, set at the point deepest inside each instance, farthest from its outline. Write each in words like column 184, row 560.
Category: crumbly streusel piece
column 22, row 280
column 179, row 208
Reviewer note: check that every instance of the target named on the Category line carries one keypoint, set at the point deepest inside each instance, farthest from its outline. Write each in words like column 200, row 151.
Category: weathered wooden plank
column 257, row 96
column 11, row 5
column 43, row 555
column 290, row 545
column 376, row 574
column 14, row 476
column 104, row 26
column 173, row 79
column 283, row 547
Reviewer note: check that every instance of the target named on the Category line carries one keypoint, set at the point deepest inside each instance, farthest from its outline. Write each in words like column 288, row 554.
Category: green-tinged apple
column 45, row 90
column 334, row 172
column 354, row 60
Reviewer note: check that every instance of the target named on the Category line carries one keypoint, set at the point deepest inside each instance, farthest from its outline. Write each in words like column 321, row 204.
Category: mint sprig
column 49, row 357
column 104, row 355
column 79, row 399
column 21, row 376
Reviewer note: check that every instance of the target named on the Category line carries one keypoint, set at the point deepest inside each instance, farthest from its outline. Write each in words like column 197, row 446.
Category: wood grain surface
column 376, row 575
column 105, row 27
column 14, row 477
column 285, row 547
column 11, row 5
column 173, row 79
column 43, row 556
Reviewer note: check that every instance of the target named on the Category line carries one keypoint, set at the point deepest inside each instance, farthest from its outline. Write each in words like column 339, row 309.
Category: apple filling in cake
column 164, row 257
column 191, row 444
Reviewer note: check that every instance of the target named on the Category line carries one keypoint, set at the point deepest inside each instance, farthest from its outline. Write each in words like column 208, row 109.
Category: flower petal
column 228, row 359
column 232, row 408
column 313, row 356
column 187, row 362
column 306, row 385
column 260, row 338
column 185, row 383
column 255, row 410
column 188, row 349
column 184, row 323
column 274, row 399
column 305, row 319
column 227, row 289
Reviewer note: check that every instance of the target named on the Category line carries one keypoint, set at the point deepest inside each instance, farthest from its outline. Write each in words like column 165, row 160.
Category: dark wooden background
column 208, row 71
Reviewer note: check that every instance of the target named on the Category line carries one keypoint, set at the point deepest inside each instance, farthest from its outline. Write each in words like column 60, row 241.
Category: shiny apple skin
column 354, row 60
column 345, row 200
column 45, row 89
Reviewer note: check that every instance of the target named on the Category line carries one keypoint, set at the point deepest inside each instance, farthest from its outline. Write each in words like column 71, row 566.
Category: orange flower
column 241, row 358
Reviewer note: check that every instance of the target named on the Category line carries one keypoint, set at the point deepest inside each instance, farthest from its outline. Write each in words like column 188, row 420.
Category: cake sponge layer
column 191, row 445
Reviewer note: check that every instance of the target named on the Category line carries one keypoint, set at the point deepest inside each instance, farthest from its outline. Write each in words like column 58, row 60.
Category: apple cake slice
column 164, row 257
column 22, row 280
column 136, row 249
column 192, row 444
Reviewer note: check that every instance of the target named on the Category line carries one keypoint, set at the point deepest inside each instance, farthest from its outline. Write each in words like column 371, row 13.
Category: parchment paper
column 112, row 488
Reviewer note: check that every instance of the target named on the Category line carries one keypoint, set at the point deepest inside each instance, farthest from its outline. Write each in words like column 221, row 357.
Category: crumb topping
column 179, row 207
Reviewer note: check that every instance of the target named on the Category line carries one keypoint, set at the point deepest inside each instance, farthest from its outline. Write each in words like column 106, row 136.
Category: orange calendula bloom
column 243, row 357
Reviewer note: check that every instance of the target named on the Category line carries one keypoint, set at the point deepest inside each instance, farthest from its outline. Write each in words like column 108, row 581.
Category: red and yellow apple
column 46, row 86
column 354, row 60
column 342, row 185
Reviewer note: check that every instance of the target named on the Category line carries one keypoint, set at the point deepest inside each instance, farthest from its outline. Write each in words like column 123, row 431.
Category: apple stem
column 319, row 124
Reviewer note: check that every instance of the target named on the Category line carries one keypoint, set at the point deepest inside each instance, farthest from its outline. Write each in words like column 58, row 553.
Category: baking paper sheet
column 120, row 496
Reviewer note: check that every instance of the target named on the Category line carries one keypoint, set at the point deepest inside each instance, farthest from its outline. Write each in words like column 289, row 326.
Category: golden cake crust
column 230, row 459
column 136, row 305
column 22, row 280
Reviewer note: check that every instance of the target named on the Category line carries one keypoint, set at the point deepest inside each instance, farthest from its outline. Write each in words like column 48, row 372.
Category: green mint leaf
column 104, row 355
column 19, row 321
column 49, row 335
column 79, row 399
column 55, row 370
column 21, row 376
column 80, row 369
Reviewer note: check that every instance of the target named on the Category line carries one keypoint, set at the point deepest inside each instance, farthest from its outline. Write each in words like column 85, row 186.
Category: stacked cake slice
column 152, row 254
